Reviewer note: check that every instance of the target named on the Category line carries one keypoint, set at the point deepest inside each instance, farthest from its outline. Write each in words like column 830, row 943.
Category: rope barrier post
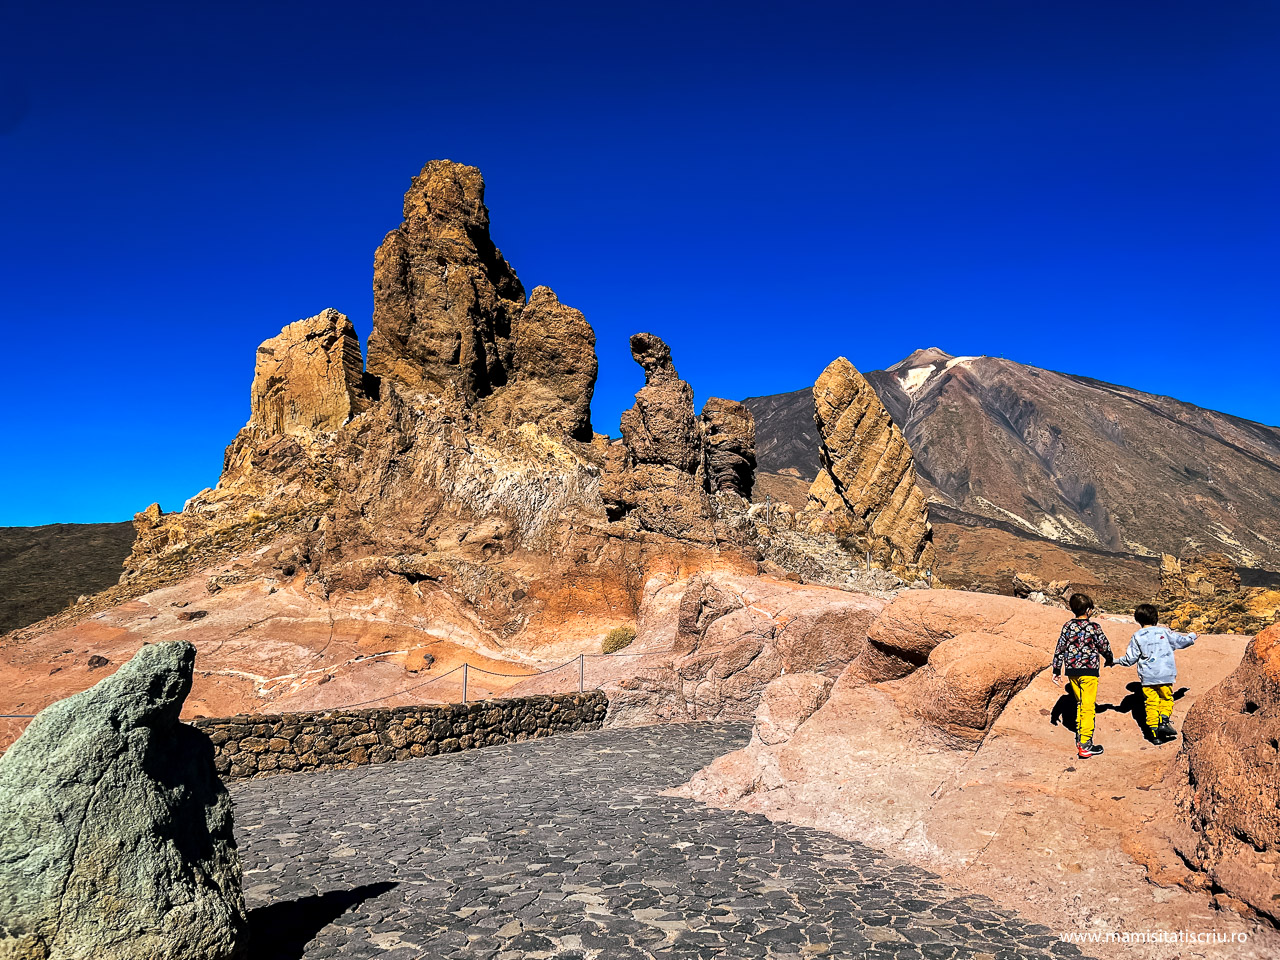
column 464, row 683
column 582, row 662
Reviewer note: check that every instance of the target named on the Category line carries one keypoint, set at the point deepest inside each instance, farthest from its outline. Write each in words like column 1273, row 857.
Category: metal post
column 464, row 683
column 582, row 660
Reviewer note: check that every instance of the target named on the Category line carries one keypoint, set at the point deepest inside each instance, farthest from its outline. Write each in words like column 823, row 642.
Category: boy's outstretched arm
column 1131, row 656
column 1180, row 641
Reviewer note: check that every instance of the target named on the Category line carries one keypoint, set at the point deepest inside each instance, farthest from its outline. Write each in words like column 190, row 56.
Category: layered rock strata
column 866, row 489
column 116, row 837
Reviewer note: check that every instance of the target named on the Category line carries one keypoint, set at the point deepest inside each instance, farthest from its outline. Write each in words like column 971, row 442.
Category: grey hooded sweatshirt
column 1152, row 650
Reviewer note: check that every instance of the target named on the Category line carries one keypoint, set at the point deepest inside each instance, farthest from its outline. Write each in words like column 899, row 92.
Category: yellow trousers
column 1085, row 690
column 1159, row 703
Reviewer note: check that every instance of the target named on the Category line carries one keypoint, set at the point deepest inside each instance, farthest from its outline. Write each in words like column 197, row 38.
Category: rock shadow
column 281, row 931
column 1135, row 704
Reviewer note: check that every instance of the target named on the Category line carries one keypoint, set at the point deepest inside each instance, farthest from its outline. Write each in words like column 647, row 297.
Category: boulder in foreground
column 1226, row 781
column 115, row 832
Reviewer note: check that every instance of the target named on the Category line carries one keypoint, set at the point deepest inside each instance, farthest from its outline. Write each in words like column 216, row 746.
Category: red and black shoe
column 1087, row 749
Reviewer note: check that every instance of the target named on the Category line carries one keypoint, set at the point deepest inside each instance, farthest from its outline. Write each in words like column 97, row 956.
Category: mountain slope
column 42, row 569
column 1062, row 456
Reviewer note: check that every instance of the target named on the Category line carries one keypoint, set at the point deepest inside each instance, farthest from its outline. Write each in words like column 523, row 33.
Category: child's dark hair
column 1147, row 615
column 1080, row 604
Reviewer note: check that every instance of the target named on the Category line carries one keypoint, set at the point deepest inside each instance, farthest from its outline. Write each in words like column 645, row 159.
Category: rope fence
column 466, row 670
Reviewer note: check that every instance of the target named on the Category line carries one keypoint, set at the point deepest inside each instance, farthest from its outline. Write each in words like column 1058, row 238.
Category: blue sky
column 1086, row 186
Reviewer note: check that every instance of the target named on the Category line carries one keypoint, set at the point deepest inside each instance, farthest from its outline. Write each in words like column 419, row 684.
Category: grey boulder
column 115, row 832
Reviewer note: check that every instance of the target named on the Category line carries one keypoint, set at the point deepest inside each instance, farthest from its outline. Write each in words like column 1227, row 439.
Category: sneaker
column 1165, row 732
column 1087, row 749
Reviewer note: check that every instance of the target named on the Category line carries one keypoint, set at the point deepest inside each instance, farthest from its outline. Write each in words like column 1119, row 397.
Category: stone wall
column 253, row 745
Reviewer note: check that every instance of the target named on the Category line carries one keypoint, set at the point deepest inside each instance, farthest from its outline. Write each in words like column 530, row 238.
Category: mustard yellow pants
column 1159, row 703
column 1085, row 690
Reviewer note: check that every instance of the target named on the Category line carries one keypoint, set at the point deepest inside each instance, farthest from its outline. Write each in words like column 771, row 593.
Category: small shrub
column 617, row 638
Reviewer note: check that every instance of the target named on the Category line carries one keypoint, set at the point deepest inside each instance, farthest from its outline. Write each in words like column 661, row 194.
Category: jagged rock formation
column 658, row 474
column 554, row 370
column 116, row 837
column 463, row 460
column 1225, row 783
column 729, row 437
column 1204, row 575
column 867, row 487
column 450, row 318
column 309, row 379
column 661, row 428
column 444, row 298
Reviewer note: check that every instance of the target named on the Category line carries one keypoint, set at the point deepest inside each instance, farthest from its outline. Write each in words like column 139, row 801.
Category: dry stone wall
column 254, row 745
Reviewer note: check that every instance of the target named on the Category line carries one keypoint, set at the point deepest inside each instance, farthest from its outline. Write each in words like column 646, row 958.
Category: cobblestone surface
column 561, row 848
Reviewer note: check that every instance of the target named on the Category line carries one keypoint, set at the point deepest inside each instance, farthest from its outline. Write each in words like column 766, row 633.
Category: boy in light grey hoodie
column 1151, row 649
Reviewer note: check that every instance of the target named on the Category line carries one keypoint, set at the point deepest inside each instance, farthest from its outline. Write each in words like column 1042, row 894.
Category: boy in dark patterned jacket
column 1080, row 646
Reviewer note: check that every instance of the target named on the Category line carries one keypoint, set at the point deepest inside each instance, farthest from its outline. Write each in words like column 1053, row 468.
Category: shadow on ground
column 1064, row 711
column 281, row 931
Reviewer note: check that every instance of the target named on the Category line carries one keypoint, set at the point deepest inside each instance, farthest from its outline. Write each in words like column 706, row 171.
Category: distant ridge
column 43, row 569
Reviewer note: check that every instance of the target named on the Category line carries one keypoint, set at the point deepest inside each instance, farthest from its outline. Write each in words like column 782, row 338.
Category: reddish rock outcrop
column 706, row 646
column 867, row 487
column 943, row 743
column 1226, row 781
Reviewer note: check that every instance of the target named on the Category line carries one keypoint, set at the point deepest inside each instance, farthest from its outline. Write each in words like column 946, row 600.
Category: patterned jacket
column 1080, row 645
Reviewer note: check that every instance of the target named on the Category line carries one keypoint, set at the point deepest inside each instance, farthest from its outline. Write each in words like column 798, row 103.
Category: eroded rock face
column 867, row 487
column 115, row 833
column 444, row 298
column 661, row 428
column 309, row 379
column 659, row 479
column 554, row 370
column 1225, row 781
column 729, row 437
column 719, row 640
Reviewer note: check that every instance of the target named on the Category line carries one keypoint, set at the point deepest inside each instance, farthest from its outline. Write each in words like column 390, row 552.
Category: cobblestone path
column 561, row 848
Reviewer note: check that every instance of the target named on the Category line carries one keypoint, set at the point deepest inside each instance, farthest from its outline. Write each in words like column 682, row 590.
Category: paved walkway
column 561, row 848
